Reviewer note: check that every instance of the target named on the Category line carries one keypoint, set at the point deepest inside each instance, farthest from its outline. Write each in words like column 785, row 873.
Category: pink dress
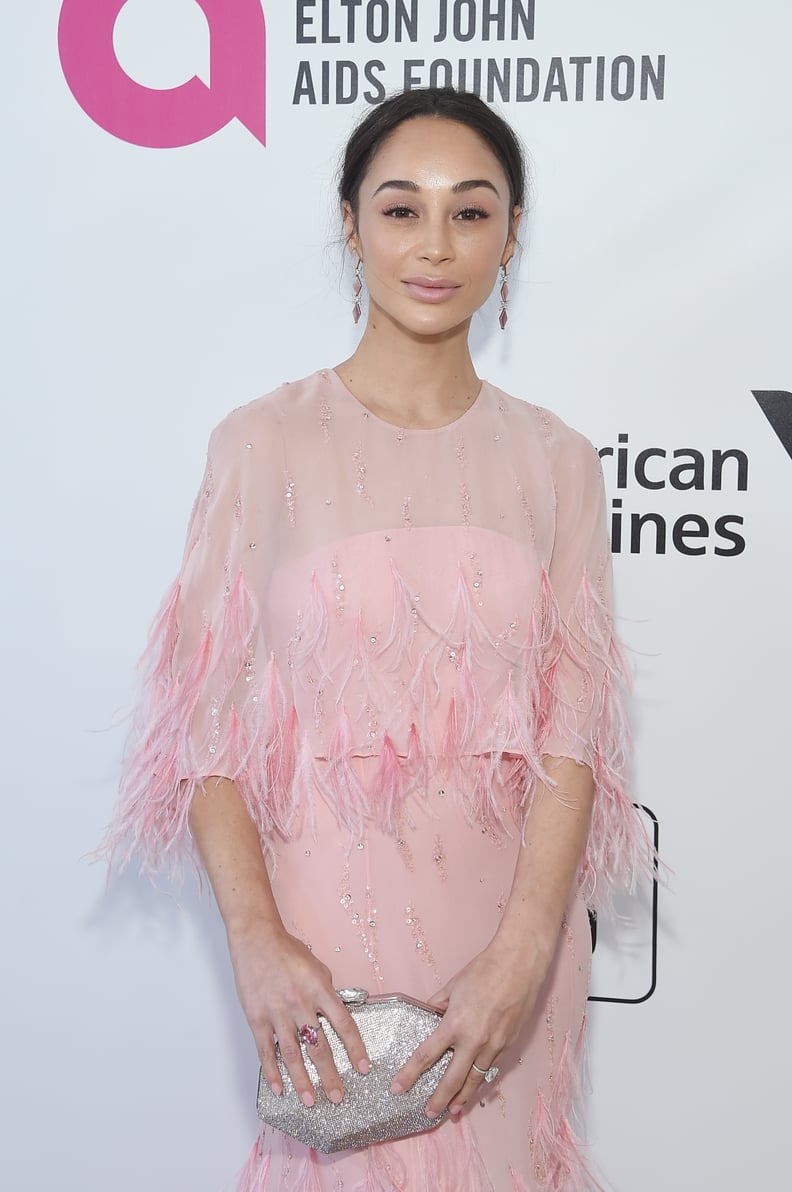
column 379, row 633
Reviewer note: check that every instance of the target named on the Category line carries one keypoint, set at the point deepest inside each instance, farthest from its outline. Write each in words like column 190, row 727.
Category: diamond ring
column 489, row 1074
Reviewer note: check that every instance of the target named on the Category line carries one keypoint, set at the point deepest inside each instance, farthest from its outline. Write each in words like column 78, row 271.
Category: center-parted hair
column 461, row 106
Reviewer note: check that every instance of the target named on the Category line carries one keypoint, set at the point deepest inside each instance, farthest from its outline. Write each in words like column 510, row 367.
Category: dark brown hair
column 462, row 106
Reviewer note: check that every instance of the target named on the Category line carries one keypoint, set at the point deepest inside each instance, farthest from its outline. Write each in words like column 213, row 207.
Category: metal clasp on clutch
column 353, row 997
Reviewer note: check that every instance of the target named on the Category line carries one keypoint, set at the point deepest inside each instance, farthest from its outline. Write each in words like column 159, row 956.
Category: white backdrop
column 149, row 290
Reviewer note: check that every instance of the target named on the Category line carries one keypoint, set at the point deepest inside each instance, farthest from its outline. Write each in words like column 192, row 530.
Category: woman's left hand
column 484, row 1008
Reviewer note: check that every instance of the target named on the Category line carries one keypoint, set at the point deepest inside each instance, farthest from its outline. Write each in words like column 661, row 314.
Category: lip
column 431, row 289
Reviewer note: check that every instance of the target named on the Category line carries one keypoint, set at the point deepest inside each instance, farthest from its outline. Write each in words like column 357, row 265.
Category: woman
column 383, row 690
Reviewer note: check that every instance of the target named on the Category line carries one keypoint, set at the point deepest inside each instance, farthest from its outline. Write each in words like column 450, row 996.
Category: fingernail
column 456, row 1110
column 431, row 1113
column 307, row 1099
column 277, row 1089
column 364, row 1066
column 396, row 1087
column 336, row 1096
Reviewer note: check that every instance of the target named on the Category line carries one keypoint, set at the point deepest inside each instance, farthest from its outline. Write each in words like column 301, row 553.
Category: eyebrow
column 457, row 188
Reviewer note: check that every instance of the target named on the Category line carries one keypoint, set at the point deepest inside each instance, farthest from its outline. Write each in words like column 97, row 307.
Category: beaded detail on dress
column 354, row 590
column 384, row 637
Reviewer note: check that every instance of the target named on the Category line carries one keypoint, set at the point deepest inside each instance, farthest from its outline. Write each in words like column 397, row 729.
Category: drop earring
column 503, row 316
column 357, row 290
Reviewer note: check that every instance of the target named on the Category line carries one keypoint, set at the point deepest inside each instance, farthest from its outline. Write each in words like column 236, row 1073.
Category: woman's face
column 434, row 225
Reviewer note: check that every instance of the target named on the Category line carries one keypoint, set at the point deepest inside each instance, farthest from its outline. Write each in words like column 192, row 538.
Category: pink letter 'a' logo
column 181, row 115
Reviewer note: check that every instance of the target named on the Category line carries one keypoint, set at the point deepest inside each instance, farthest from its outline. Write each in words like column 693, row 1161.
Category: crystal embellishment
column 503, row 316
column 391, row 1026
column 357, row 290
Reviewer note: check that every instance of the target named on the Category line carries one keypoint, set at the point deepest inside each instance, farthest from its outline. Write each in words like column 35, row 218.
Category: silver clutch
column 391, row 1027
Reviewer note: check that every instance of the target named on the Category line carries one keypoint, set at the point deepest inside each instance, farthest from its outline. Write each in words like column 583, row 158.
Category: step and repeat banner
column 172, row 251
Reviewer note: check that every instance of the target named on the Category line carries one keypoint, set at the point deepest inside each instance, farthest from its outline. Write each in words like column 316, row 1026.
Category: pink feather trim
column 557, row 1151
column 168, row 756
column 254, row 1176
column 559, row 1165
column 618, row 846
column 488, row 729
column 386, row 1171
column 454, row 1162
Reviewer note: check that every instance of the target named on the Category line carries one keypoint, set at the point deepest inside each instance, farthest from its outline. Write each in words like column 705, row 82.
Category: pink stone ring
column 309, row 1034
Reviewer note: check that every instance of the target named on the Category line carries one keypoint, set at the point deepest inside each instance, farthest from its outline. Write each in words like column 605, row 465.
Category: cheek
column 482, row 255
column 485, row 237
column 381, row 242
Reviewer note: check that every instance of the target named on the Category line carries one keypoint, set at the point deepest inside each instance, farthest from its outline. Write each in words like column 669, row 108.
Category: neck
column 412, row 380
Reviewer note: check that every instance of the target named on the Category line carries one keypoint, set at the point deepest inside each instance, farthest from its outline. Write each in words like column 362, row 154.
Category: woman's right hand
column 282, row 986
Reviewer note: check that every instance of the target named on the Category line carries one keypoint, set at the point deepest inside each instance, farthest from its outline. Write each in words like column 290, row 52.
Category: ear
column 350, row 227
column 511, row 239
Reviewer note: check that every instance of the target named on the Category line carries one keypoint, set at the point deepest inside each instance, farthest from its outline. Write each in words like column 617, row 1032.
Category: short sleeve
column 586, row 670
column 201, row 707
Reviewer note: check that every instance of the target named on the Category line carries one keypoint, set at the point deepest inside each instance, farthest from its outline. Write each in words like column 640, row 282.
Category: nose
column 436, row 244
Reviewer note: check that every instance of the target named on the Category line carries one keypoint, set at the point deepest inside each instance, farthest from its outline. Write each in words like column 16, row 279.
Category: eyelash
column 479, row 212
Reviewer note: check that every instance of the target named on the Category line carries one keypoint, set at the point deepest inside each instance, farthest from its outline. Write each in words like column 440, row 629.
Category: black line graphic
column 776, row 405
column 635, row 1001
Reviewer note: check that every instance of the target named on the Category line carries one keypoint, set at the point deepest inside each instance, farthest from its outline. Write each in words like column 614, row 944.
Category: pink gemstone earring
column 503, row 317
column 357, row 289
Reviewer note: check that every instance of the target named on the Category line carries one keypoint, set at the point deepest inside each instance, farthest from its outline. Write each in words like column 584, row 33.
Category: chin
column 436, row 322
column 431, row 330
column 423, row 321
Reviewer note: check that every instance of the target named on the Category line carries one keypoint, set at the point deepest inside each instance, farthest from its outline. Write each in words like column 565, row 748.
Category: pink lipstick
column 431, row 289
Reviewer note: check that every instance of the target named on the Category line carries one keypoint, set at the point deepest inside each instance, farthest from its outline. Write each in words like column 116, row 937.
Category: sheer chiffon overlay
column 381, row 635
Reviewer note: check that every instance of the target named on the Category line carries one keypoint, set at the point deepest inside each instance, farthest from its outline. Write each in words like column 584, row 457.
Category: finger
column 345, row 1027
column 321, row 1057
column 291, row 1054
column 470, row 1089
column 456, row 1079
column 439, row 1000
column 425, row 1054
column 265, row 1045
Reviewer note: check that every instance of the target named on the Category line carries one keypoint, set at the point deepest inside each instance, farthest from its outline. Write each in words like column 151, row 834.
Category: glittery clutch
column 391, row 1026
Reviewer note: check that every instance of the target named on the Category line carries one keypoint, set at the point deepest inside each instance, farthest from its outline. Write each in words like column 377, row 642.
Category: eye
column 472, row 214
column 398, row 211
